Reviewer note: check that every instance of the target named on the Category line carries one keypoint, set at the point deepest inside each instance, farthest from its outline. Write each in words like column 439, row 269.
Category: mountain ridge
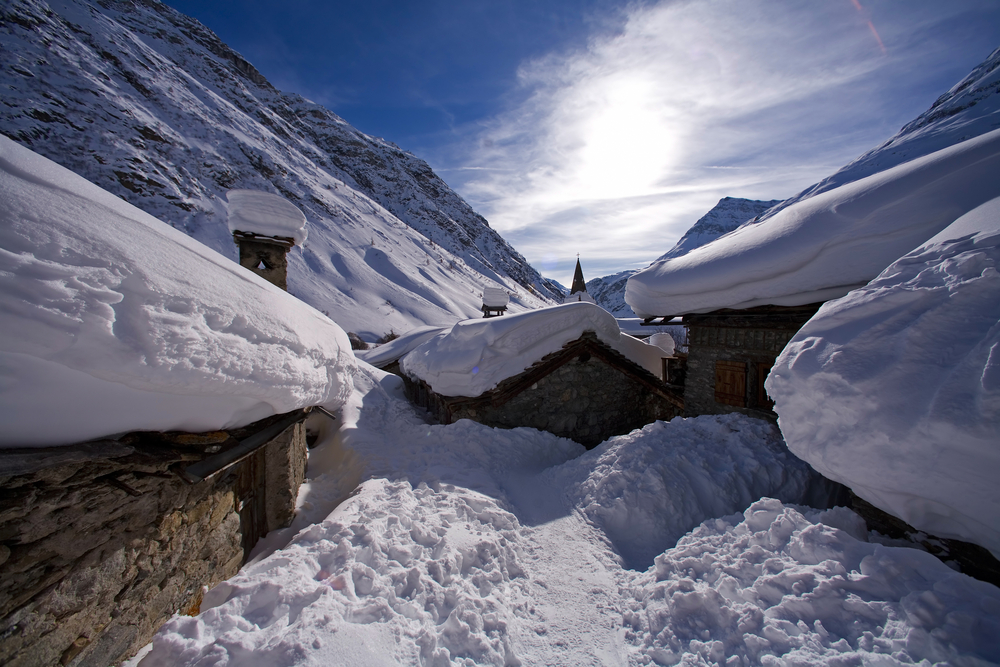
column 151, row 105
column 728, row 214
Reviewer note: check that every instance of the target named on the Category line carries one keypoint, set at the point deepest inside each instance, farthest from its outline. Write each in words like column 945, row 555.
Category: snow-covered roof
column 382, row 355
column 495, row 297
column 474, row 356
column 265, row 214
column 115, row 321
column 894, row 389
column 824, row 246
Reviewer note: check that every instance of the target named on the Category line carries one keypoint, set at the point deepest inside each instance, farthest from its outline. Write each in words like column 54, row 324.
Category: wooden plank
column 250, row 501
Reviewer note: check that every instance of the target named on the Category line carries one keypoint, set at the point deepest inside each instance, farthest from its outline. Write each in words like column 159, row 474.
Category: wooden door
column 731, row 383
column 250, row 501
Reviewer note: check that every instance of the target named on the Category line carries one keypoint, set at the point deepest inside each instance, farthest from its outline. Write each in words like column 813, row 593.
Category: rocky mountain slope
column 727, row 215
column 152, row 106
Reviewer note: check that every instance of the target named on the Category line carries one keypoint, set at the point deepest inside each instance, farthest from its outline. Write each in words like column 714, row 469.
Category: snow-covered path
column 466, row 545
column 574, row 617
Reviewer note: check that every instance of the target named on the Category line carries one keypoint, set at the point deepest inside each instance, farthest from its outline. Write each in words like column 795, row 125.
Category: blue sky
column 607, row 128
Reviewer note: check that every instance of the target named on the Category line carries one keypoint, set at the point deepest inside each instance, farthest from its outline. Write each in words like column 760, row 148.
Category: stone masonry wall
column 751, row 338
column 586, row 400
column 97, row 555
column 98, row 551
column 273, row 255
column 285, row 469
column 710, row 344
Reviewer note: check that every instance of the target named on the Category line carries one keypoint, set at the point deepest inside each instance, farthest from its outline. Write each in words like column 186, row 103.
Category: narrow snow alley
column 573, row 617
column 565, row 610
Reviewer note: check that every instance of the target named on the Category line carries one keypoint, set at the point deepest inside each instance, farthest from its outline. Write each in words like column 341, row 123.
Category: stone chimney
column 267, row 256
column 265, row 227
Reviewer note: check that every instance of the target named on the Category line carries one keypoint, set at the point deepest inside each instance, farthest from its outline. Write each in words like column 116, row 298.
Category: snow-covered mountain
column 727, row 215
column 971, row 108
column 609, row 293
column 152, row 106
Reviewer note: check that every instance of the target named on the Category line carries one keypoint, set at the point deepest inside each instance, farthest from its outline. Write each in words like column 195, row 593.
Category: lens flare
column 871, row 26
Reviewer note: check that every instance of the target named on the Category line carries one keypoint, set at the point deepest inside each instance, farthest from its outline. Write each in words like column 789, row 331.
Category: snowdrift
column 824, row 246
column 472, row 545
column 119, row 322
column 894, row 389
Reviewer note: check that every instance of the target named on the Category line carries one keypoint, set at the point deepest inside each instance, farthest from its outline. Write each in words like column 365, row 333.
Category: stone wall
column 750, row 340
column 102, row 543
column 585, row 392
column 585, row 400
column 268, row 258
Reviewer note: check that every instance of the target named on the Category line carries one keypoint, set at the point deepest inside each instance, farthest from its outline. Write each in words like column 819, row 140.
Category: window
column 731, row 383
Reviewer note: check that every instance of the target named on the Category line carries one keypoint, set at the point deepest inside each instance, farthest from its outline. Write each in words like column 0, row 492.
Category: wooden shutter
column 731, row 383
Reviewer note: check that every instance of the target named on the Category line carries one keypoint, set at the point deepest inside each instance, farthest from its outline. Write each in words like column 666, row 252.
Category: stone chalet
column 587, row 390
column 103, row 541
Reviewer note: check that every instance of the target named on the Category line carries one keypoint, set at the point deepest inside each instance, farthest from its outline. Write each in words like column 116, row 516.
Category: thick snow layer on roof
column 824, row 246
column 113, row 321
column 474, row 356
column 664, row 341
column 495, row 297
column 894, row 389
column 471, row 545
column 384, row 354
column 265, row 214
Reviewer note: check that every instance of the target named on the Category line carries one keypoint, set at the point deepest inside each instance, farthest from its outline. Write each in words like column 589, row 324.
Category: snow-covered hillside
column 727, row 215
column 150, row 105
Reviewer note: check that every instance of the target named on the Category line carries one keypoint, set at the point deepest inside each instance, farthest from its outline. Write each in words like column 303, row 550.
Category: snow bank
column 114, row 321
column 266, row 214
column 646, row 489
column 476, row 355
column 894, row 390
column 824, row 246
column 792, row 586
column 395, row 576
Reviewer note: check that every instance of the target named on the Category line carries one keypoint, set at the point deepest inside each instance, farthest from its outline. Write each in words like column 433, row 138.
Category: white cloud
column 617, row 149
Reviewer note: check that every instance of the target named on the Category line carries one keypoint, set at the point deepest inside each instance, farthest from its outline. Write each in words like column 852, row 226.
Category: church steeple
column 579, row 284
